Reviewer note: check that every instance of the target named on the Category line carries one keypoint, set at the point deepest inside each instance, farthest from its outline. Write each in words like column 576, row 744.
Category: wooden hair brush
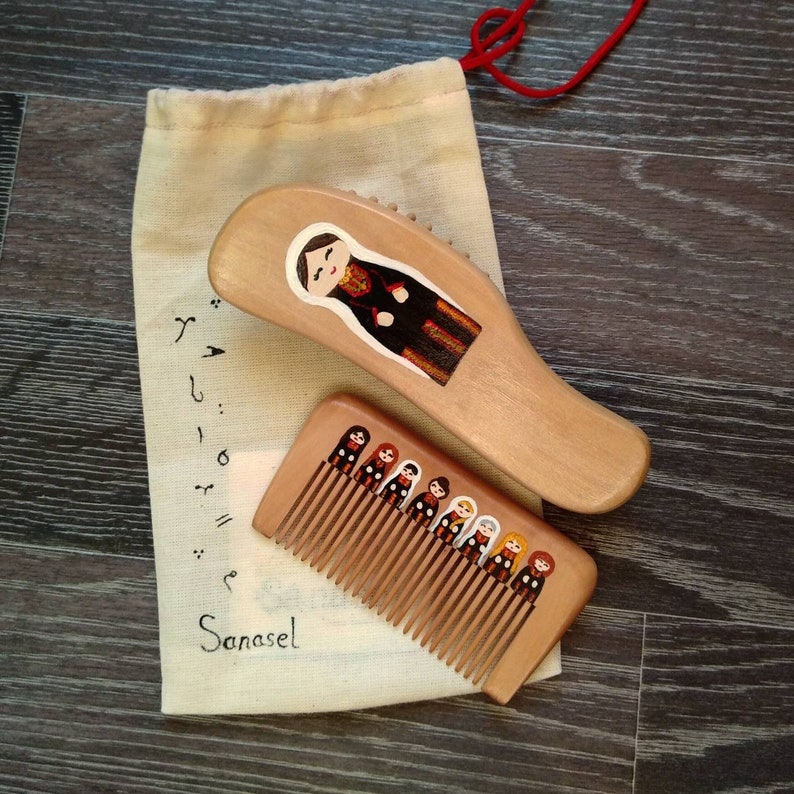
column 386, row 293
column 475, row 579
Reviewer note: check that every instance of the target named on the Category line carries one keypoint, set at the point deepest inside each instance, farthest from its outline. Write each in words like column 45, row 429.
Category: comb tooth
column 459, row 566
column 342, row 500
column 514, row 616
column 459, row 620
column 313, row 510
column 445, row 618
column 357, row 540
column 420, row 573
column 299, row 502
column 480, row 626
column 371, row 564
column 487, row 648
column 415, row 552
column 315, row 523
column 481, row 642
column 394, row 567
column 415, row 596
column 442, row 571
column 467, row 621
column 376, row 547
column 375, row 588
column 309, row 510
column 330, row 543
column 349, row 538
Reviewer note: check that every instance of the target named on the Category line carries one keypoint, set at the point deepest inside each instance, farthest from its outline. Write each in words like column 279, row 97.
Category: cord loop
column 514, row 27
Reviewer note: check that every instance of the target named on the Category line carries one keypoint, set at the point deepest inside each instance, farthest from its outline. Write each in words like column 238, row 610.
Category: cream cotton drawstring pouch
column 245, row 627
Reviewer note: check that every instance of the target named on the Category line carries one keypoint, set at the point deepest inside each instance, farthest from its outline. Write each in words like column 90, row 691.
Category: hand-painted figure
column 345, row 454
column 503, row 564
column 529, row 580
column 475, row 544
column 449, row 527
column 374, row 470
column 424, row 507
column 397, row 310
column 399, row 488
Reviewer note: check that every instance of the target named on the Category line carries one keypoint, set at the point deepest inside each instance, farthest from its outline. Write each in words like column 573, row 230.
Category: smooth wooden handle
column 418, row 315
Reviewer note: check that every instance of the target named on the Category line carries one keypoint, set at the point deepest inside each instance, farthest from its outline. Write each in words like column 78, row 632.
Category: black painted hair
column 318, row 241
column 355, row 429
column 443, row 482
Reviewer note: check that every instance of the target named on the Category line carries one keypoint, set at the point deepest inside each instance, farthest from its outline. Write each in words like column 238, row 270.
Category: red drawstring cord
column 514, row 24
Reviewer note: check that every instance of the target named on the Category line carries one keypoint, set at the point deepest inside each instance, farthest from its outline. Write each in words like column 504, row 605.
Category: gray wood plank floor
column 12, row 108
column 646, row 234
column 708, row 79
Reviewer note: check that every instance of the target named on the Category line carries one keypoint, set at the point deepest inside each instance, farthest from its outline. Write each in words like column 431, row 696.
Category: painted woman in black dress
column 529, row 581
column 452, row 524
column 374, row 470
column 400, row 312
column 399, row 487
column 424, row 507
column 346, row 453
column 478, row 541
column 504, row 563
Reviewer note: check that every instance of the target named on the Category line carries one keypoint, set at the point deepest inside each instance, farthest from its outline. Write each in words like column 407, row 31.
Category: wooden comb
column 476, row 579
column 386, row 293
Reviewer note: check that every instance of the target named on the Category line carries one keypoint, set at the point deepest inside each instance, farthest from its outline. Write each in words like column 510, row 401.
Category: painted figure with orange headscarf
column 504, row 563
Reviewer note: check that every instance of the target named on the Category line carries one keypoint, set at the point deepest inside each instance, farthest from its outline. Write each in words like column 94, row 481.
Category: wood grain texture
column 645, row 230
column 81, row 681
column 709, row 533
column 709, row 79
column 73, row 456
column 712, row 79
column 716, row 708
column 680, row 266
column 12, row 110
column 69, row 227
column 663, row 264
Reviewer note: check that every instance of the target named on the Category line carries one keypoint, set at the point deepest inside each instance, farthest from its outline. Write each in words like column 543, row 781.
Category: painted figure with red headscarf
column 530, row 580
column 374, row 470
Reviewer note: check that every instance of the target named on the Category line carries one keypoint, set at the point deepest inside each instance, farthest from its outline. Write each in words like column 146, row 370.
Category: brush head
column 383, row 291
